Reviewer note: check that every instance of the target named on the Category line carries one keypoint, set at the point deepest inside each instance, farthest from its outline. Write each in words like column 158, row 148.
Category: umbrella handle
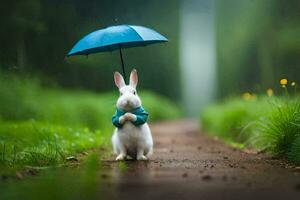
column 123, row 67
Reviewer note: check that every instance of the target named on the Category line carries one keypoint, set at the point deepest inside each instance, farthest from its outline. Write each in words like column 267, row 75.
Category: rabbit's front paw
column 142, row 157
column 121, row 157
column 130, row 117
column 122, row 119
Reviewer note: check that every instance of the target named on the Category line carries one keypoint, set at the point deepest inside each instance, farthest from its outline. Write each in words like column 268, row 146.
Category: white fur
column 130, row 140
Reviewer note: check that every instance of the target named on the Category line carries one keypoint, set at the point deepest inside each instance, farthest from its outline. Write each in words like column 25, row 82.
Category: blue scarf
column 141, row 117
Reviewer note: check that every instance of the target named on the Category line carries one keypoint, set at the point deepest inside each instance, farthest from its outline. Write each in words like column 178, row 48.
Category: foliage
column 257, row 43
column 159, row 107
column 229, row 118
column 279, row 132
column 40, row 144
column 23, row 99
column 42, row 126
column 73, row 183
column 37, row 34
column 271, row 124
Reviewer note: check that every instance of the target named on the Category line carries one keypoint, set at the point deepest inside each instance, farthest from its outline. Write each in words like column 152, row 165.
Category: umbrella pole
column 123, row 68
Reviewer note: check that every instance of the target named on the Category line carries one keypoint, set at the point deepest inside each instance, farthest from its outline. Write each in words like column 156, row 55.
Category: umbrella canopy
column 115, row 38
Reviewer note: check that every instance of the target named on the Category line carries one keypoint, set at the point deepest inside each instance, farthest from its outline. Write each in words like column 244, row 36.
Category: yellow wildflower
column 283, row 81
column 247, row 96
column 270, row 92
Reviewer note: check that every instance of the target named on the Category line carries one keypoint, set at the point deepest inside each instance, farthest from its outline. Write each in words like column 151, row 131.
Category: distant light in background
column 197, row 54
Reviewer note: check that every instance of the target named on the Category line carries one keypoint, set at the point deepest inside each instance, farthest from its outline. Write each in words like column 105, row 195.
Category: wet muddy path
column 188, row 164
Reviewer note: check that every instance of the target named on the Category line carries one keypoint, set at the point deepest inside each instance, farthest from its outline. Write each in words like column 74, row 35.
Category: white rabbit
column 132, row 137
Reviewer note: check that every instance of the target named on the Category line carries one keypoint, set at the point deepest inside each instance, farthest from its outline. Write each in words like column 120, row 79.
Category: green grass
column 228, row 119
column 42, row 126
column 280, row 131
column 265, row 123
column 23, row 99
column 40, row 144
column 82, row 182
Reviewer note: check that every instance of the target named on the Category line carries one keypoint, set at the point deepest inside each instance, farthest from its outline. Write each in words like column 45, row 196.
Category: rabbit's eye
column 134, row 92
column 121, row 93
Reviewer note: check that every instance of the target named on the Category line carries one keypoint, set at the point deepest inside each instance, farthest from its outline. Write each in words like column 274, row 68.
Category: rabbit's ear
column 133, row 78
column 119, row 81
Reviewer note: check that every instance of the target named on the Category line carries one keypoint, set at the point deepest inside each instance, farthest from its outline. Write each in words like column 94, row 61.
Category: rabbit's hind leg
column 149, row 152
column 119, row 149
column 121, row 156
column 140, row 155
column 122, row 152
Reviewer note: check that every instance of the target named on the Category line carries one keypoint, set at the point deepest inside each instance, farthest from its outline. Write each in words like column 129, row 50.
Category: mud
column 189, row 164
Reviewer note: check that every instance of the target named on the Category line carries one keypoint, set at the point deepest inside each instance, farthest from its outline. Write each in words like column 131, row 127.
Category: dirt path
column 190, row 165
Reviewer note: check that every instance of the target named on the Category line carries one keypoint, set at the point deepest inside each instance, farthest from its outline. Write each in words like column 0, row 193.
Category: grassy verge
column 42, row 127
column 83, row 182
column 265, row 123
column 40, row 144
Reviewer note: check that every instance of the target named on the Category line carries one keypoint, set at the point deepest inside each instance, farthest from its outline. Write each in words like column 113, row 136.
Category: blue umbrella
column 115, row 38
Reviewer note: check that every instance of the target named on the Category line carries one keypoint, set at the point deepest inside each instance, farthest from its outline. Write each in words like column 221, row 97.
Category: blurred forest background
column 257, row 42
column 37, row 34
